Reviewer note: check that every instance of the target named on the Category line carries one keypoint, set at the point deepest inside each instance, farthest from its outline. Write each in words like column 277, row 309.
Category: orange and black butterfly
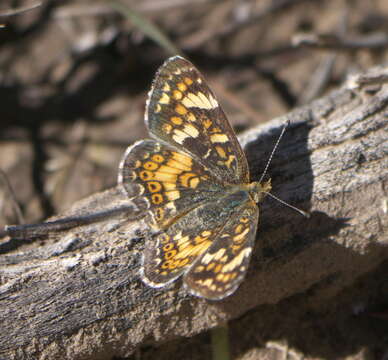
column 192, row 182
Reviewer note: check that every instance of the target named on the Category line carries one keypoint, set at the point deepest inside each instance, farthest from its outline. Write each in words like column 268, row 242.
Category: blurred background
column 74, row 77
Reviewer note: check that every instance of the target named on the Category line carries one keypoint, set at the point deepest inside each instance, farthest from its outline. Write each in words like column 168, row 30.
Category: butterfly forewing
column 165, row 182
column 182, row 111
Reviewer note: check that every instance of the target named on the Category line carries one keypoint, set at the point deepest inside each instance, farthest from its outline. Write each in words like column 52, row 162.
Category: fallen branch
column 78, row 294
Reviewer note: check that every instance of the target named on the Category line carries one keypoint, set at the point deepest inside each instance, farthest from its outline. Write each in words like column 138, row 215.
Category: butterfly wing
column 218, row 272
column 182, row 111
column 164, row 182
column 203, row 227
column 172, row 252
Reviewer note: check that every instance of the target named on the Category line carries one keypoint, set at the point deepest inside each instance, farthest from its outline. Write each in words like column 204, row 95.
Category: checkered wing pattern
column 209, row 243
column 182, row 111
column 219, row 271
column 192, row 185
column 163, row 182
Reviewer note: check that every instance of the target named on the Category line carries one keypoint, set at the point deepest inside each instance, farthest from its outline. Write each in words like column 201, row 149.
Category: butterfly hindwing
column 220, row 270
column 182, row 111
column 172, row 252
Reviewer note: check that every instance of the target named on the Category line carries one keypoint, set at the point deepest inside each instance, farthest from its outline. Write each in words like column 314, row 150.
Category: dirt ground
column 74, row 77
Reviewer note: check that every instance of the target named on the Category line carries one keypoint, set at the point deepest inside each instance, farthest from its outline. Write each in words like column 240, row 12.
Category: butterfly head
column 258, row 190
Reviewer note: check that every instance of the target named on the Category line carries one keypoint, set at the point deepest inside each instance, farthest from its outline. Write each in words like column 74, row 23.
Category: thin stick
column 336, row 42
column 36, row 230
column 287, row 204
column 274, row 149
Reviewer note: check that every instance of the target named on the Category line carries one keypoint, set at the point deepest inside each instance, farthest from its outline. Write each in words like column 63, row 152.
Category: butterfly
column 192, row 182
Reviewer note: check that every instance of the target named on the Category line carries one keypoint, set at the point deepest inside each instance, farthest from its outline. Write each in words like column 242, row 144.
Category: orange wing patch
column 171, row 255
column 182, row 110
column 171, row 252
column 169, row 182
column 222, row 268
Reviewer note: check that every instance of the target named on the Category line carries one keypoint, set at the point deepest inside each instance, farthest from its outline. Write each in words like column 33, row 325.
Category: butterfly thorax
column 257, row 190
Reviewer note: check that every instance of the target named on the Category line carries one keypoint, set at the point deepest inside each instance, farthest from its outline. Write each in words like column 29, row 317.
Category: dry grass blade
column 220, row 343
column 12, row 197
column 148, row 28
column 19, row 10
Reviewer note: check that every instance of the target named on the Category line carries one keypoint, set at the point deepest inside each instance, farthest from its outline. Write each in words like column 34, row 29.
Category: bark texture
column 77, row 294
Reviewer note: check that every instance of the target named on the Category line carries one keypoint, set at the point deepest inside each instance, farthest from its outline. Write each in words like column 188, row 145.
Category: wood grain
column 77, row 294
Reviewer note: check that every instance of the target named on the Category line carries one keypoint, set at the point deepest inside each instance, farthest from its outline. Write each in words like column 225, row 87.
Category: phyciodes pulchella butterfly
column 192, row 182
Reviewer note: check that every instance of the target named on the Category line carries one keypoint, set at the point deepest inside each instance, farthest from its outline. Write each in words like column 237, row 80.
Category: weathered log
column 77, row 294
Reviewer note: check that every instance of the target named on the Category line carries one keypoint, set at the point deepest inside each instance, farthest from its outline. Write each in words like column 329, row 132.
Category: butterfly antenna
column 306, row 214
column 287, row 204
column 274, row 149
